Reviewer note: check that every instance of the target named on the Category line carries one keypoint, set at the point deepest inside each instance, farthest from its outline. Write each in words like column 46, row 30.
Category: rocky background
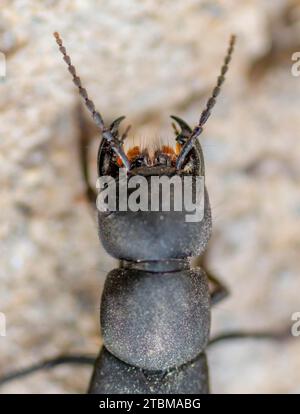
column 149, row 59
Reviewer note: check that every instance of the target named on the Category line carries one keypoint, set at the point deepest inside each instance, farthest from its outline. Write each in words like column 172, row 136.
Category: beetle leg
column 83, row 141
column 218, row 291
column 281, row 335
column 48, row 364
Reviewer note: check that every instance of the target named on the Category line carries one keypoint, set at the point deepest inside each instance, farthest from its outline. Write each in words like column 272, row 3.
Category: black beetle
column 155, row 309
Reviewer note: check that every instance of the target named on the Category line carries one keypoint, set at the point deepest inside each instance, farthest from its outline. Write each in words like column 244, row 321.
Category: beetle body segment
column 155, row 320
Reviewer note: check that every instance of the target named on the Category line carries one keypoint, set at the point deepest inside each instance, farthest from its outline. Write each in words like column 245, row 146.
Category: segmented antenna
column 106, row 133
column 209, row 105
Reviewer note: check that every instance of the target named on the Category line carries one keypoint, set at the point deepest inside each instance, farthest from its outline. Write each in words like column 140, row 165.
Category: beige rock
column 148, row 60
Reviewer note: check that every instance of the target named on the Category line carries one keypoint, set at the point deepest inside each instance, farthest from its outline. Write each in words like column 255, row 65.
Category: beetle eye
column 163, row 159
column 140, row 161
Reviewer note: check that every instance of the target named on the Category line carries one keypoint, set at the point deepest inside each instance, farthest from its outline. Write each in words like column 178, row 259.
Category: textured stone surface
column 148, row 60
column 112, row 376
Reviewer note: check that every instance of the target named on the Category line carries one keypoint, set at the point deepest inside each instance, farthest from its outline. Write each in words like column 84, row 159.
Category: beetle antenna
column 106, row 133
column 209, row 105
